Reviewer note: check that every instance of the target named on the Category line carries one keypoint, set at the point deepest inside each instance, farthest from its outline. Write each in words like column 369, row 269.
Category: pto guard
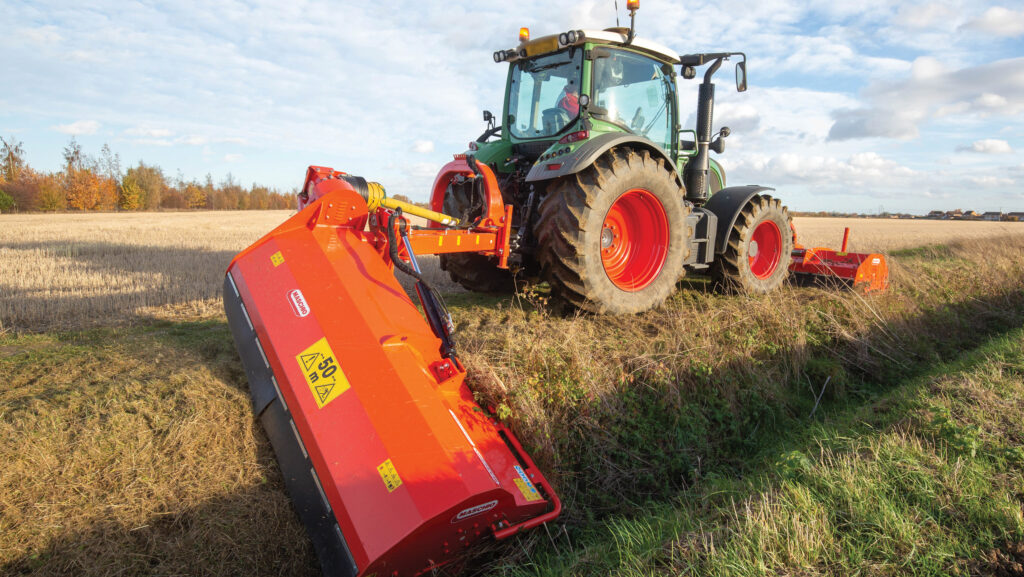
column 392, row 466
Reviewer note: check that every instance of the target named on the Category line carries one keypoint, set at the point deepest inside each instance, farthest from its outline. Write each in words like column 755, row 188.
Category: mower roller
column 392, row 466
column 821, row 265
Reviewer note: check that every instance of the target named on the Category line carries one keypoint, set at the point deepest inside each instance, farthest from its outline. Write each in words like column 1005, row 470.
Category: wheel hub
column 764, row 252
column 634, row 240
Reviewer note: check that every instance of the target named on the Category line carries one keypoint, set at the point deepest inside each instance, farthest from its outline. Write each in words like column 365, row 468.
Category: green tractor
column 612, row 201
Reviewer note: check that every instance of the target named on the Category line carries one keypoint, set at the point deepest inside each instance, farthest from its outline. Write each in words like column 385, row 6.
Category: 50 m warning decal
column 323, row 375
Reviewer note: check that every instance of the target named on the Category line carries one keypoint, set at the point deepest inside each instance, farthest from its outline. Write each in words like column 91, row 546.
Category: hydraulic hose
column 437, row 314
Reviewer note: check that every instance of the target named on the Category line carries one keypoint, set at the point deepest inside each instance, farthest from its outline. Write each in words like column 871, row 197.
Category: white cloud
column 897, row 109
column 923, row 16
column 148, row 132
column 423, row 146
column 987, row 146
column 999, row 21
column 991, row 181
column 233, row 157
column 866, row 171
column 79, row 128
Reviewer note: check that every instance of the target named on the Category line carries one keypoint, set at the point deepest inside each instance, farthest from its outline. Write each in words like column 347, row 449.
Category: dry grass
column 71, row 271
column 78, row 270
column 884, row 235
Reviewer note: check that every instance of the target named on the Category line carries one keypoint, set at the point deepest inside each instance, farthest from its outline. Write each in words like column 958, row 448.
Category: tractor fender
column 591, row 150
column 726, row 204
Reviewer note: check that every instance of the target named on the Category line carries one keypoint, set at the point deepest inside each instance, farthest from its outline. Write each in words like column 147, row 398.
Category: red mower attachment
column 392, row 466
column 865, row 272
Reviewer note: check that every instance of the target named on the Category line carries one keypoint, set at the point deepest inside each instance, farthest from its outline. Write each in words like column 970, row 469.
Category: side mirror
column 687, row 147
column 741, row 76
column 488, row 116
column 689, row 72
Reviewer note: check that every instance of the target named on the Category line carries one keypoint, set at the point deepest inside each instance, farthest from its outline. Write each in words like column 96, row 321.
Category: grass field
column 689, row 440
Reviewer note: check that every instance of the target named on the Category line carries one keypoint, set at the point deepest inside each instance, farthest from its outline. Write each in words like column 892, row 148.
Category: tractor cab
column 567, row 93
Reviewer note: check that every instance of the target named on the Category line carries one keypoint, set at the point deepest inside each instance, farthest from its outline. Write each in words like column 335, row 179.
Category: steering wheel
column 555, row 119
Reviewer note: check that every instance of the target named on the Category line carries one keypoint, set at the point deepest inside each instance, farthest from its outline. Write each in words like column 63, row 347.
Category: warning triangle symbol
column 308, row 360
column 323, row 391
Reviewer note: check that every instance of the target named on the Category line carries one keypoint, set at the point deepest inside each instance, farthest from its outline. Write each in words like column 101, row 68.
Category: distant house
column 936, row 214
column 995, row 216
column 1015, row 216
column 955, row 213
column 970, row 215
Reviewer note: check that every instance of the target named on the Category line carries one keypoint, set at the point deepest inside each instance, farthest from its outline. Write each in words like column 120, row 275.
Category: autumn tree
column 50, row 194
column 195, row 195
column 6, row 202
column 12, row 160
column 130, row 197
column 151, row 183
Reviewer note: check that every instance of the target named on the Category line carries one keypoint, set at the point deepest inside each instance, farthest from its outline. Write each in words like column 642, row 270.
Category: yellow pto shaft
column 376, row 197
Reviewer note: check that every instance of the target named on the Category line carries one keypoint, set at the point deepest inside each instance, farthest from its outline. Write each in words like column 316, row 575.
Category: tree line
column 89, row 182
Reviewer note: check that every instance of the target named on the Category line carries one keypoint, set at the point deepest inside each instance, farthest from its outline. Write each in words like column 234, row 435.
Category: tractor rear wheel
column 757, row 253
column 472, row 271
column 612, row 237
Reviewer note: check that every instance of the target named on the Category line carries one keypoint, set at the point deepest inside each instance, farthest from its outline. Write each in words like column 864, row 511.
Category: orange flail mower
column 862, row 271
column 392, row 466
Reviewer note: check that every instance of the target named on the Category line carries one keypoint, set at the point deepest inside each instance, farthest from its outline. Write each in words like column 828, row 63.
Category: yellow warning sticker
column 529, row 492
column 389, row 475
column 325, row 378
column 277, row 258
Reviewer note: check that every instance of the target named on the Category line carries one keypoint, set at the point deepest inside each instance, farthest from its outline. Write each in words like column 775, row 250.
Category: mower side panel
column 726, row 204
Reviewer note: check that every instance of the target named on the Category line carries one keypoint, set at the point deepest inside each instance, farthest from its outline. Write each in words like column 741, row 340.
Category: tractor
column 612, row 202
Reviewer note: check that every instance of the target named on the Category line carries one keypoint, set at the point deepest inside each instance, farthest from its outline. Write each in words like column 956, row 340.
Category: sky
column 867, row 106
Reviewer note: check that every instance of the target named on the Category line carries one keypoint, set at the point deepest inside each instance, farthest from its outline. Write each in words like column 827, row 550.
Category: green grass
column 924, row 479
column 686, row 441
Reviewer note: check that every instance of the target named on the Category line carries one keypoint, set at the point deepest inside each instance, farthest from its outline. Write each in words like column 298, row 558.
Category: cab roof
column 609, row 36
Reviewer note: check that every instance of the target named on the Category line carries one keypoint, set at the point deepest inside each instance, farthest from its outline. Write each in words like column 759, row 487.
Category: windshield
column 544, row 94
column 633, row 91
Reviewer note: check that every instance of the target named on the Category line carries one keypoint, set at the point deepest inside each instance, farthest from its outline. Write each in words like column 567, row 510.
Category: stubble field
column 810, row 432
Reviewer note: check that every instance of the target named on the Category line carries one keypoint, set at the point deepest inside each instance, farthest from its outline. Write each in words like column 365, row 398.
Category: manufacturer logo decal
column 298, row 302
column 474, row 511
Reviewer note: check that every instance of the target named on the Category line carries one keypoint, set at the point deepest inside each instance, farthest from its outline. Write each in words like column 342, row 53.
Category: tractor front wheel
column 757, row 252
column 612, row 237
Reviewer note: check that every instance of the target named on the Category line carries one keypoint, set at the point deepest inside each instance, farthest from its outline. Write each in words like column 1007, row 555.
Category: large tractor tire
column 612, row 237
column 474, row 272
column 757, row 253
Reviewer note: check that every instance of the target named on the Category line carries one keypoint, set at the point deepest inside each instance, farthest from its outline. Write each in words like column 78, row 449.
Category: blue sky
column 901, row 105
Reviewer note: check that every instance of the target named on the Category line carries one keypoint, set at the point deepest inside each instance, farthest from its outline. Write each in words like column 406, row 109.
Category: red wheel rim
column 765, row 249
column 634, row 240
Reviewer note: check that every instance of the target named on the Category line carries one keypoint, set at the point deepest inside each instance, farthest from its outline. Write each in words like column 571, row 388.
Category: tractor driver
column 570, row 100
